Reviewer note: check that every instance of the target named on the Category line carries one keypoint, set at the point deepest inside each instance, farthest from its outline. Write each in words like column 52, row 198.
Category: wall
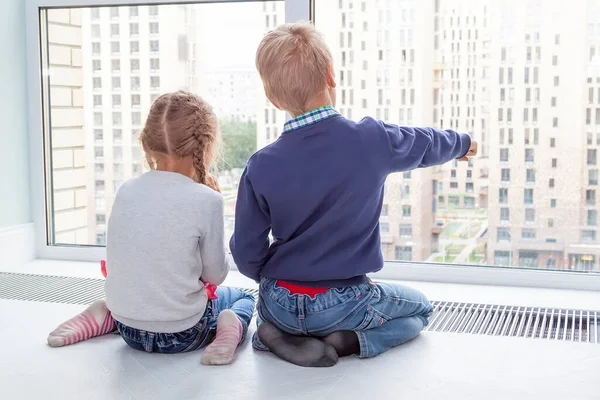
column 14, row 151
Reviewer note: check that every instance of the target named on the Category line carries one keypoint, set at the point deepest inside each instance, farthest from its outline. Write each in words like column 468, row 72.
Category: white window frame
column 295, row 10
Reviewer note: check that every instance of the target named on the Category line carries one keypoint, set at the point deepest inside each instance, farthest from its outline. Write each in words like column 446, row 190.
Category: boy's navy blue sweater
column 319, row 190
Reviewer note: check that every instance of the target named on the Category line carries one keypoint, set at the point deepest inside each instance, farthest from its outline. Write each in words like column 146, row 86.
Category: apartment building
column 133, row 54
column 69, row 193
column 545, row 128
column 270, row 120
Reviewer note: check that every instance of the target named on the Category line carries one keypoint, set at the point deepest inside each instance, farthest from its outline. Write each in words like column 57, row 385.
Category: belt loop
column 147, row 339
column 301, row 312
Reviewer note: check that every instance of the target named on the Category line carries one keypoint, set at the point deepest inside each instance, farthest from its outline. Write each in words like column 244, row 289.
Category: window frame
column 295, row 10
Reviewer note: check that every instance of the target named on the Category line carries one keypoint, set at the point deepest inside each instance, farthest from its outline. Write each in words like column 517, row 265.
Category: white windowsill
column 453, row 292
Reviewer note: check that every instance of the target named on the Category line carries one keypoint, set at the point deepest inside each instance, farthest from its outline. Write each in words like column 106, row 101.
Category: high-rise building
column 133, row 54
column 542, row 210
column 270, row 120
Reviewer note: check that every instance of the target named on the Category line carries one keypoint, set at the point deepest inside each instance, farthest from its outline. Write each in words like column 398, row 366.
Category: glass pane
column 107, row 64
column 529, row 199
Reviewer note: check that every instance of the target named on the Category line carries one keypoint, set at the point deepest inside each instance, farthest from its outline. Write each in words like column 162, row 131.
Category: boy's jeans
column 200, row 335
column 382, row 315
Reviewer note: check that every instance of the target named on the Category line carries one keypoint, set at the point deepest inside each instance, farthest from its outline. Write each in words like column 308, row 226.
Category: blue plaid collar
column 309, row 118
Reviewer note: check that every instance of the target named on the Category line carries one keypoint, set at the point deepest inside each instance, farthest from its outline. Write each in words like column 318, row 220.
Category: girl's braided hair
column 179, row 125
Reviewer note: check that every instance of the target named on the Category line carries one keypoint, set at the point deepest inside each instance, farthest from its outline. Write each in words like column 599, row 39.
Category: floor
column 434, row 366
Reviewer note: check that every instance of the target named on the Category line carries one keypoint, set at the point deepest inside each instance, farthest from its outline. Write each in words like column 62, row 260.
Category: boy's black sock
column 299, row 350
column 345, row 343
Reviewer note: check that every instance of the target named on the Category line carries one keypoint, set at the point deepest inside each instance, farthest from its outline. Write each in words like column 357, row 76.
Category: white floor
column 434, row 366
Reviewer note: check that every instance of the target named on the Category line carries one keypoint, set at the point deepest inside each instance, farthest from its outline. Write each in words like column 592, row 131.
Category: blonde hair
column 293, row 61
column 179, row 125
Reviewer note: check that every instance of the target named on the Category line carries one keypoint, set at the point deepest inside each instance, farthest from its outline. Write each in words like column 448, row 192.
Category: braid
column 191, row 130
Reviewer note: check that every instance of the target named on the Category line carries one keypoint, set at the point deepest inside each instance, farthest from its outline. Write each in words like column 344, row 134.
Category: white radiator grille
column 516, row 321
column 453, row 317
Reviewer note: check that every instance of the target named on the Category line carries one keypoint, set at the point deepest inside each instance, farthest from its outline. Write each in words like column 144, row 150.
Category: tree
column 239, row 142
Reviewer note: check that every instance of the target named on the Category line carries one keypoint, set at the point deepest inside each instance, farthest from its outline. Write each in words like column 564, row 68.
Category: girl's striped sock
column 229, row 334
column 96, row 320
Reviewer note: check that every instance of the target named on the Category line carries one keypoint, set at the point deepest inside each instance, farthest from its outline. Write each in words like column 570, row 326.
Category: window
column 96, row 65
column 588, row 236
column 134, row 47
column 528, row 259
column 384, row 227
column 406, row 211
column 528, row 196
column 529, row 215
column 153, row 28
column 591, row 157
column 505, row 214
column 157, row 49
column 593, row 177
column 502, row 258
column 136, row 118
column 403, row 253
column 406, row 231
column 528, row 234
column 503, row 235
column 135, row 83
column 503, row 195
column 135, row 65
column 98, row 118
column 529, row 155
column 590, row 197
column 135, row 100
column 117, row 118
column 592, row 217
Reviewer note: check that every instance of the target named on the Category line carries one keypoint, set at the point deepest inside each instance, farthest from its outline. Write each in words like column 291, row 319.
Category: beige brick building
column 69, row 196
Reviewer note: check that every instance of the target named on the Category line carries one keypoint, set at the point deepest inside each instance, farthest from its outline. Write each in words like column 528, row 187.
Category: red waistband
column 295, row 289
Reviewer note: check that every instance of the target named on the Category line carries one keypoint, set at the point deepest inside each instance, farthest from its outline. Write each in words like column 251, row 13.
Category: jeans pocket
column 373, row 319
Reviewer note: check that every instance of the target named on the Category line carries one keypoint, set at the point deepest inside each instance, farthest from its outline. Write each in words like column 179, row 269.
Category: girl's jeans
column 198, row 336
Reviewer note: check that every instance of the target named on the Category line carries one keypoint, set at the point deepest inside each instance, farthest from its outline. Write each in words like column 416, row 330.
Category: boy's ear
column 331, row 77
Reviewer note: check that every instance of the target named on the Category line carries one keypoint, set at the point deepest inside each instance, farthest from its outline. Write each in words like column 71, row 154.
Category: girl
column 165, row 242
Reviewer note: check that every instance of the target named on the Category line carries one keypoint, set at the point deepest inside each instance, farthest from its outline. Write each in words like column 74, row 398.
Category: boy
column 319, row 190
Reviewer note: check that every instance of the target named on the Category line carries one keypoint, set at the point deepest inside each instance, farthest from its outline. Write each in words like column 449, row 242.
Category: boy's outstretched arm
column 425, row 147
column 250, row 241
